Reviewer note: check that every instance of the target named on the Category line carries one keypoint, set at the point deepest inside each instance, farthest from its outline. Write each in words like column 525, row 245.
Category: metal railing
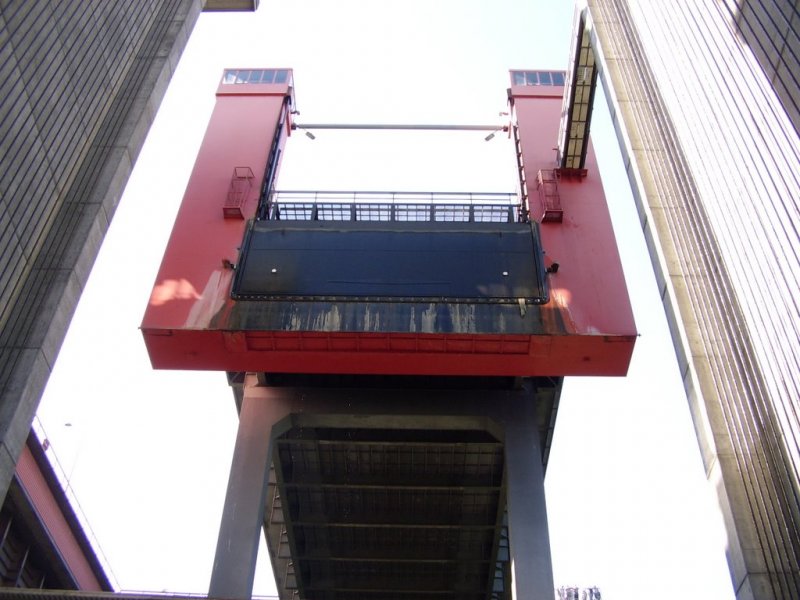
column 441, row 207
column 69, row 492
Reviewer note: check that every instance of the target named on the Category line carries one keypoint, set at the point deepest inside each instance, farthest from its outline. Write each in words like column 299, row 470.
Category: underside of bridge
column 396, row 512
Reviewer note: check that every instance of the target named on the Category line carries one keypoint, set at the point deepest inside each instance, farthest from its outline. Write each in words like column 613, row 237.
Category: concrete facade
column 771, row 29
column 709, row 138
column 81, row 83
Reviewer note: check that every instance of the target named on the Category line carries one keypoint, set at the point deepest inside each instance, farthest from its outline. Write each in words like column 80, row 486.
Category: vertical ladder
column 523, row 215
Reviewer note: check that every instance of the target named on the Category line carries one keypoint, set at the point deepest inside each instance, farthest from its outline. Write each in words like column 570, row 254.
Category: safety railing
column 66, row 486
column 441, row 207
column 238, row 192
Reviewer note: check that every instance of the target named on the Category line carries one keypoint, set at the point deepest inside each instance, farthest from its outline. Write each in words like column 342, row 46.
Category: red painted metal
column 195, row 275
column 589, row 288
column 61, row 535
column 587, row 327
column 391, row 354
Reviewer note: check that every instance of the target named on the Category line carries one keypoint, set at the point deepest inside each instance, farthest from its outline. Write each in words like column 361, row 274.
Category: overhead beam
column 400, row 126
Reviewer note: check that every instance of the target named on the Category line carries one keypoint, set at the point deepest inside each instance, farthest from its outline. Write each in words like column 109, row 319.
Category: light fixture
column 308, row 134
column 491, row 135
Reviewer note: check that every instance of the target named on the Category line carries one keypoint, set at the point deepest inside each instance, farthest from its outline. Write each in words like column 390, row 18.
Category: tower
column 396, row 358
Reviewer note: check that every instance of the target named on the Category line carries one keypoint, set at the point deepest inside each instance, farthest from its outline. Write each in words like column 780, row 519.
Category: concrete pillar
column 243, row 514
column 529, row 538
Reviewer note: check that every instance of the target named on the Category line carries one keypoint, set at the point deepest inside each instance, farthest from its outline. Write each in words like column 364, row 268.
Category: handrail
column 317, row 205
column 505, row 198
column 66, row 486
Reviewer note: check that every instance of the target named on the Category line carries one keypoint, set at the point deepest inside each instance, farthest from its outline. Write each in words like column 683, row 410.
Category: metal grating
column 241, row 184
column 549, row 198
column 379, row 514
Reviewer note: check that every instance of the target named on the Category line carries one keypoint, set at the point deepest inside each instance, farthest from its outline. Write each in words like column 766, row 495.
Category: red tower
column 250, row 284
column 397, row 359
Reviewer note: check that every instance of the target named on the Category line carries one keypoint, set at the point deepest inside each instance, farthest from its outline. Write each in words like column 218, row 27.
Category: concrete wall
column 80, row 84
column 771, row 29
column 713, row 162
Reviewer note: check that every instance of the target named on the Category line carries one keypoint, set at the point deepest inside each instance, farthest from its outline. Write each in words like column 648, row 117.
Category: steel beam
column 243, row 514
column 531, row 565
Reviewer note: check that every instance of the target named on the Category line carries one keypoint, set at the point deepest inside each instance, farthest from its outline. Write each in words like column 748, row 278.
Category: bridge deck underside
column 374, row 514
column 403, row 487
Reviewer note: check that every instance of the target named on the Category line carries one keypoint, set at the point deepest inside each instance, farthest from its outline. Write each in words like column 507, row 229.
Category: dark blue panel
column 454, row 262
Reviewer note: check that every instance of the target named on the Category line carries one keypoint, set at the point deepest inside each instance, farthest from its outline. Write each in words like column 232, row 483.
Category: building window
column 237, row 76
column 537, row 78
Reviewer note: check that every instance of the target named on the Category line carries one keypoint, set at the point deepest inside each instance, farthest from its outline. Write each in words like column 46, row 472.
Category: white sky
column 148, row 453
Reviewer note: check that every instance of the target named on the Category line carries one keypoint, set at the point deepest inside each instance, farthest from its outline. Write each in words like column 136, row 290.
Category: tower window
column 239, row 76
column 537, row 78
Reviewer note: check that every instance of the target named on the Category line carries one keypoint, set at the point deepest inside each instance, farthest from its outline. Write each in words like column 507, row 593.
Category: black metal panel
column 454, row 262
column 362, row 513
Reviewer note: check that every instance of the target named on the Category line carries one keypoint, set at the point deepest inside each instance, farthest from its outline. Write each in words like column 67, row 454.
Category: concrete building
column 704, row 98
column 43, row 544
column 81, row 83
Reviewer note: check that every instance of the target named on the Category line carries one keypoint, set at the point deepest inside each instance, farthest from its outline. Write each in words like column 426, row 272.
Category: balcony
column 392, row 246
column 433, row 207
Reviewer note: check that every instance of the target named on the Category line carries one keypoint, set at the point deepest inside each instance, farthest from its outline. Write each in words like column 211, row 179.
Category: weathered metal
column 394, row 298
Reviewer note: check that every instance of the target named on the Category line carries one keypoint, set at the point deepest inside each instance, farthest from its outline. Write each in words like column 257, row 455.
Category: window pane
column 281, row 75
column 267, row 75
column 531, row 78
column 558, row 78
column 519, row 78
column 230, row 77
column 544, row 78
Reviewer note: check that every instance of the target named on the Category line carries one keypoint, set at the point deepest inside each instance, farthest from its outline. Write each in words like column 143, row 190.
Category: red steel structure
column 396, row 359
column 581, row 322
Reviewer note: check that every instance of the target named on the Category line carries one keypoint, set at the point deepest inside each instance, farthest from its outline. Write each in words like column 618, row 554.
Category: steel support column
column 243, row 514
column 531, row 565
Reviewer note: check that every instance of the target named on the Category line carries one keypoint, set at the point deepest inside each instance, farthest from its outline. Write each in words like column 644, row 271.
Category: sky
column 147, row 452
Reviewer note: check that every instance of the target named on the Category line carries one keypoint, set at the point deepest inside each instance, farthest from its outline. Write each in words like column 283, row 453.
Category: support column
column 243, row 514
column 529, row 538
